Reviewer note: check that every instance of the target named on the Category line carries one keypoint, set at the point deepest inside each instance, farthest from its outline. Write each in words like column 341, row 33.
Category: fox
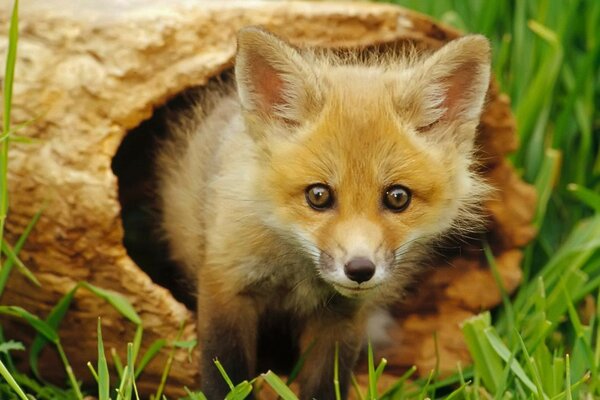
column 311, row 185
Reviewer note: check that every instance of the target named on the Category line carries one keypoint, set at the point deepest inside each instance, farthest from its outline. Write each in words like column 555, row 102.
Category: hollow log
column 92, row 74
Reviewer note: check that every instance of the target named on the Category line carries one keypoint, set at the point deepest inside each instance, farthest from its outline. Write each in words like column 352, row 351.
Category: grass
column 539, row 343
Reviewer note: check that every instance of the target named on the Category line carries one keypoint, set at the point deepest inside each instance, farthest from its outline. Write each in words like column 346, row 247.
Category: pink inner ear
column 460, row 92
column 267, row 84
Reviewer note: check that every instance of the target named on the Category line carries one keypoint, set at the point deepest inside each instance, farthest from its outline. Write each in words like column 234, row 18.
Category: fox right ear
column 273, row 79
column 450, row 85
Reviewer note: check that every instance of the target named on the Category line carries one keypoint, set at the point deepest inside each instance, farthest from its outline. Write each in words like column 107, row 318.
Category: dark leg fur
column 316, row 378
column 228, row 334
column 225, row 345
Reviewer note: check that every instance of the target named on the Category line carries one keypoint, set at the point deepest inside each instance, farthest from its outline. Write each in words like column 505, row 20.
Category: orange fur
column 234, row 176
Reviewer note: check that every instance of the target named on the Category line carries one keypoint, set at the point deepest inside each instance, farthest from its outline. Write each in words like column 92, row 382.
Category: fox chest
column 290, row 286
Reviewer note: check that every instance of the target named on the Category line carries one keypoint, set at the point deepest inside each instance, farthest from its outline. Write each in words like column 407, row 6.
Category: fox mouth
column 333, row 276
column 354, row 291
column 355, row 288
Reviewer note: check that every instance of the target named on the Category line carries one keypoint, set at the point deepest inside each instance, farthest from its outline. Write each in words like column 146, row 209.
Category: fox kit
column 312, row 189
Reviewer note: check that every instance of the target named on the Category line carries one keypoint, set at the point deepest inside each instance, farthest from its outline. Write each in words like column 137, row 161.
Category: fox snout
column 353, row 258
column 359, row 269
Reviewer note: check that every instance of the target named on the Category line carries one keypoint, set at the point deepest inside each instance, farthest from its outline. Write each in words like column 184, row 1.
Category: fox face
column 364, row 163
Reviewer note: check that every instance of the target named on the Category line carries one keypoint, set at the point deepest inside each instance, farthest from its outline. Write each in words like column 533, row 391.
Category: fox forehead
column 359, row 125
column 359, row 155
column 359, row 145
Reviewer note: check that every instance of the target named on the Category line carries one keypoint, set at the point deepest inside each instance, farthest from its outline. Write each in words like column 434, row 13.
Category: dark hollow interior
column 134, row 166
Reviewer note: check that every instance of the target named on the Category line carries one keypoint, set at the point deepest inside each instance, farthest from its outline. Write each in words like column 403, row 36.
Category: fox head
column 365, row 162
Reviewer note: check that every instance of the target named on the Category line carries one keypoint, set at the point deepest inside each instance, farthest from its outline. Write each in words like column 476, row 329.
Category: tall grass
column 547, row 58
column 539, row 344
column 7, row 87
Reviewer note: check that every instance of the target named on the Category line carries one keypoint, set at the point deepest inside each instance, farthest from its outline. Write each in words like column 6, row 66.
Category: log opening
column 135, row 168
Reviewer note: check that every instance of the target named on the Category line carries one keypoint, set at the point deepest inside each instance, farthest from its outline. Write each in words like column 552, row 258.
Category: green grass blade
column 152, row 351
column 6, row 356
column 93, row 371
column 11, row 345
column 36, row 323
column 194, row 395
column 169, row 363
column 135, row 389
column 545, row 183
column 224, row 374
column 574, row 387
column 596, row 378
column 569, row 395
column 279, row 386
column 505, row 354
column 532, row 370
column 7, row 265
column 69, row 371
column 10, row 254
column 372, row 393
column 117, row 300
column 50, row 333
column 117, row 362
column 103, row 375
column 543, row 83
column 136, row 345
column 508, row 308
column 379, row 369
column 457, row 392
column 426, row 387
column 54, row 319
column 488, row 364
column 123, row 382
column 240, row 391
column 399, row 383
column 336, row 372
column 586, row 196
column 11, row 59
column 300, row 363
column 11, row 381
column 356, row 387
column 128, row 378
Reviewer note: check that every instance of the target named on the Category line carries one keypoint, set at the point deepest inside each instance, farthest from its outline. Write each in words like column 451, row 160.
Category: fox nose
column 359, row 269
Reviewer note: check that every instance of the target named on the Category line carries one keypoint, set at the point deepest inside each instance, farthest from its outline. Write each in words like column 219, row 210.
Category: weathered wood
column 91, row 72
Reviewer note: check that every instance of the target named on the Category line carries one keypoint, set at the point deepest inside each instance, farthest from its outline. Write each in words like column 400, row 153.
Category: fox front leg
column 319, row 340
column 227, row 332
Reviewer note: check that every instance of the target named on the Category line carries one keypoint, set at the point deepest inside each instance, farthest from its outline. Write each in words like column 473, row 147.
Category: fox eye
column 396, row 198
column 319, row 196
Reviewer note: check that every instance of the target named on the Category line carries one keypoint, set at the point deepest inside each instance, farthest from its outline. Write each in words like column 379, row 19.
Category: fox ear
column 274, row 81
column 450, row 86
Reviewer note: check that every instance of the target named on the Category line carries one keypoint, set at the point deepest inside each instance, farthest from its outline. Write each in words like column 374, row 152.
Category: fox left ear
column 450, row 86
column 274, row 80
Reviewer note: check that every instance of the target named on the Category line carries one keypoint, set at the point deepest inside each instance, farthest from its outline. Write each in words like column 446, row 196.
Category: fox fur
column 233, row 177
